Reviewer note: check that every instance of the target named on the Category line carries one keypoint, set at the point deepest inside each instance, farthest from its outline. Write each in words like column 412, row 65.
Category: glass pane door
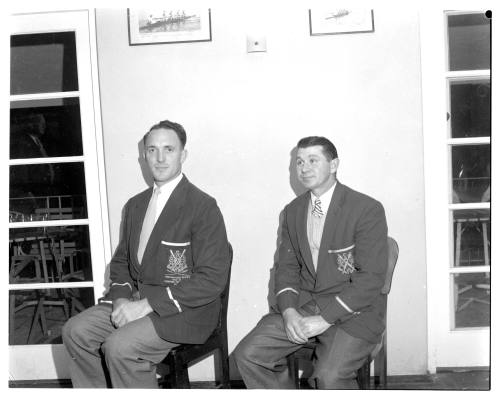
column 469, row 100
column 56, row 239
column 456, row 78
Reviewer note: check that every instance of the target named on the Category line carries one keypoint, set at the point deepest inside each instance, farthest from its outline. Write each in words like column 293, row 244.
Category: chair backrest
column 393, row 258
column 55, row 213
column 225, row 293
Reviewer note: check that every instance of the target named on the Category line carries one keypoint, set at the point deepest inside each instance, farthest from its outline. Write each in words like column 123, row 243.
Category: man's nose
column 161, row 156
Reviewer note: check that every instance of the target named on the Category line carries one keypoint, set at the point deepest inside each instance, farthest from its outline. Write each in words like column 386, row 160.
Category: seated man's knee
column 115, row 347
column 73, row 330
column 240, row 352
column 245, row 351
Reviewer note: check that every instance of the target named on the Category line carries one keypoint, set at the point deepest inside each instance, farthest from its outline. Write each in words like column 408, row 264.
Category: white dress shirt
column 165, row 193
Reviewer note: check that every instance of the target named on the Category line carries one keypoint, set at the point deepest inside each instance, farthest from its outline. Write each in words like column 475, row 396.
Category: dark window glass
column 469, row 42
column 43, row 63
column 470, row 104
column 47, row 191
column 471, row 237
column 48, row 128
column 471, row 170
column 472, row 298
column 37, row 316
column 49, row 254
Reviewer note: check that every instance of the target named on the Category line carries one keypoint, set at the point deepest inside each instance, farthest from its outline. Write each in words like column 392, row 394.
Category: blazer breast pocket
column 176, row 261
column 345, row 259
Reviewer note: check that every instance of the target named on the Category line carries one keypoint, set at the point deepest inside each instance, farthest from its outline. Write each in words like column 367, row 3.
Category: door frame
column 35, row 362
column 447, row 347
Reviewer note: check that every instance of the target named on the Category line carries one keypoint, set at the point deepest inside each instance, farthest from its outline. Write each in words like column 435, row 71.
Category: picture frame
column 168, row 25
column 340, row 21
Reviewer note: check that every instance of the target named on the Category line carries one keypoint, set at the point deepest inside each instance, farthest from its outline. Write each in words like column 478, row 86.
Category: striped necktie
column 317, row 211
column 148, row 224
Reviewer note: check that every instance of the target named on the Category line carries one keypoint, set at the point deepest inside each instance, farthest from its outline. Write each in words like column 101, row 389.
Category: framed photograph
column 340, row 21
column 168, row 25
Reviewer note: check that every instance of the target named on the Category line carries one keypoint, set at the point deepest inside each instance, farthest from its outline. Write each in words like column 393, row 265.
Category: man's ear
column 334, row 165
column 184, row 155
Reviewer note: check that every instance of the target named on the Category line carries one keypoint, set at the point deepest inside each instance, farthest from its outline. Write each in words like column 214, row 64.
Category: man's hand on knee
column 126, row 311
column 313, row 325
column 292, row 318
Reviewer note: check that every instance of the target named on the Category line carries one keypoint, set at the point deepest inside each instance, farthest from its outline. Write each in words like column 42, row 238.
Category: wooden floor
column 457, row 380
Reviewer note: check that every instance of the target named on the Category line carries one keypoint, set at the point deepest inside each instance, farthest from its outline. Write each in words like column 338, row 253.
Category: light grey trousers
column 261, row 356
column 104, row 356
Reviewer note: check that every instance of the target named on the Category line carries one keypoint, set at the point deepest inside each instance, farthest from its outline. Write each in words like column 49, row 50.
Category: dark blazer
column 352, row 262
column 185, row 265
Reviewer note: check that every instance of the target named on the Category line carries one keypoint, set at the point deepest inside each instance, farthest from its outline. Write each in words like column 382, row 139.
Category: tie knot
column 317, row 211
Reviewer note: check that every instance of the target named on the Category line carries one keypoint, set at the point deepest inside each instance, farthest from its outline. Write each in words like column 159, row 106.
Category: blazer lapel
column 331, row 223
column 301, row 225
column 167, row 220
column 138, row 215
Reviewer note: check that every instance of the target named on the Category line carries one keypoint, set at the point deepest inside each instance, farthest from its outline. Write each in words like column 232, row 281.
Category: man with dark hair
column 330, row 273
column 166, row 275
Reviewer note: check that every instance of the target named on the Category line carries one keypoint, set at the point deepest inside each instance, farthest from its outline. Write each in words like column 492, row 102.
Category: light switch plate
column 256, row 44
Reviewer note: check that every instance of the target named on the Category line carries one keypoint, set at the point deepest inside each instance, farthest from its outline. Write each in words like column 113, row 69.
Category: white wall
column 245, row 112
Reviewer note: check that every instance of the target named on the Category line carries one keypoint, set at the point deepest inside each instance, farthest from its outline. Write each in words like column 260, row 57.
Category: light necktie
column 317, row 211
column 148, row 224
column 43, row 153
column 40, row 146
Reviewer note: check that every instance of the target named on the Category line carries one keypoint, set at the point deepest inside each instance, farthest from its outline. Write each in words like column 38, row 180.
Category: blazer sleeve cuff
column 119, row 290
column 287, row 299
column 335, row 310
column 162, row 302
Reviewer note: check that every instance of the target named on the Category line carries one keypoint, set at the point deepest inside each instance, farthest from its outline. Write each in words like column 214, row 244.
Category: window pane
column 37, row 316
column 471, row 233
column 47, row 191
column 43, row 63
column 470, row 108
column 471, row 173
column 49, row 254
column 472, row 299
column 469, row 42
column 45, row 128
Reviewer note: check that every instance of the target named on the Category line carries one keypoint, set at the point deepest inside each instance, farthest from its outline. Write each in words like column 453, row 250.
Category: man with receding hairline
column 167, row 274
column 330, row 273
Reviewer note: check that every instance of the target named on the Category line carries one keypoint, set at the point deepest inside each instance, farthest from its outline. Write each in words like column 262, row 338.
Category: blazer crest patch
column 177, row 261
column 345, row 262
column 177, row 267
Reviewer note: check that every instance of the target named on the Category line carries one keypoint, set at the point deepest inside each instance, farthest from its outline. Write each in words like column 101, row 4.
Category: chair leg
column 39, row 314
column 381, row 366
column 293, row 370
column 179, row 375
column 381, row 370
column 364, row 375
column 224, row 366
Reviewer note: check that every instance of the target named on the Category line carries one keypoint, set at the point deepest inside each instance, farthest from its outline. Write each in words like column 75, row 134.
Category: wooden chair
column 379, row 354
column 180, row 357
column 40, row 252
column 58, row 213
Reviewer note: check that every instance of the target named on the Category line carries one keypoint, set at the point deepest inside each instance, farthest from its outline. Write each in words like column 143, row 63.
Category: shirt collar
column 325, row 198
column 167, row 188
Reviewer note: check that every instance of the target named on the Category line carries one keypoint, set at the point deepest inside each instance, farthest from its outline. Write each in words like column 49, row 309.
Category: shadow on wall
column 298, row 189
column 148, row 179
column 146, row 172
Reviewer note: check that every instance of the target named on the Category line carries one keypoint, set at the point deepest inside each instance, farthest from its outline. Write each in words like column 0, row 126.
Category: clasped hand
column 125, row 311
column 299, row 328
